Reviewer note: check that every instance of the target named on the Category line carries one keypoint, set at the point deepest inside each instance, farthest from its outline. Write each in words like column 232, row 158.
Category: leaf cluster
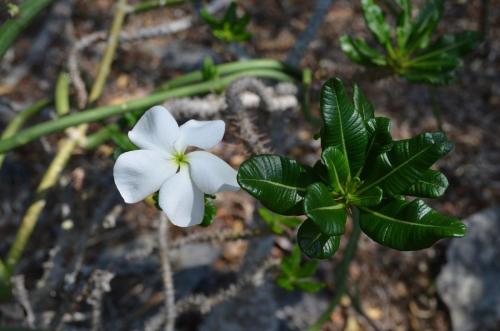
column 231, row 27
column 409, row 49
column 361, row 167
column 298, row 276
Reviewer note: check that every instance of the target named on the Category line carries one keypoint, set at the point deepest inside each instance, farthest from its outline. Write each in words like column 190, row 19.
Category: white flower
column 162, row 164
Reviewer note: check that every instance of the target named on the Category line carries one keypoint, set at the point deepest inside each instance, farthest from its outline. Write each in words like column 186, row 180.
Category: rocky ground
column 398, row 290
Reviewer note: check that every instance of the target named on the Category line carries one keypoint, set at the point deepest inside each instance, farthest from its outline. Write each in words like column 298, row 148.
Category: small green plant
column 231, row 27
column 278, row 223
column 296, row 275
column 410, row 50
column 362, row 171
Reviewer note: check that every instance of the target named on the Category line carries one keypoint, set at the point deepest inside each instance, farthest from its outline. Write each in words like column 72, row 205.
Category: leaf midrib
column 342, row 131
column 395, row 220
column 390, row 173
column 333, row 207
column 274, row 183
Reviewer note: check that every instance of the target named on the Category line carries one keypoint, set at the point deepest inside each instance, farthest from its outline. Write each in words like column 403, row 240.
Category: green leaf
column 230, row 27
column 309, row 285
column 314, row 243
column 308, row 269
column 291, row 263
column 397, row 170
column 407, row 225
column 337, row 167
column 370, row 197
column 379, row 140
column 404, row 27
column 328, row 214
column 450, row 46
column 429, row 77
column 374, row 18
column 343, row 126
column 362, row 105
column 425, row 24
column 285, row 282
column 278, row 182
column 358, row 50
column 433, row 184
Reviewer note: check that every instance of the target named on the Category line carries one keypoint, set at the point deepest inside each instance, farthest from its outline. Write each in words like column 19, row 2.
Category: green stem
column 12, row 28
column 20, row 119
column 100, row 113
column 153, row 4
column 342, row 273
column 231, row 68
column 62, row 94
column 109, row 53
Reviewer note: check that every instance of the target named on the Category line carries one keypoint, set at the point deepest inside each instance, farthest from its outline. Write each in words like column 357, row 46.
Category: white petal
column 182, row 201
column 140, row 173
column 155, row 130
column 201, row 134
column 211, row 174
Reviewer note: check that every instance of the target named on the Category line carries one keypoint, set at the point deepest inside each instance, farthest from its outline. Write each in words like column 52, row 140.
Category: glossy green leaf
column 432, row 184
column 425, row 24
column 328, row 214
column 362, row 105
column 398, row 169
column 337, row 168
column 278, row 182
column 370, row 197
column 407, row 225
column 379, row 141
column 375, row 20
column 343, row 127
column 314, row 243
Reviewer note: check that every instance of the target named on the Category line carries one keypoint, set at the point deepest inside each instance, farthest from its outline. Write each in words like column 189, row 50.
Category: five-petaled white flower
column 162, row 164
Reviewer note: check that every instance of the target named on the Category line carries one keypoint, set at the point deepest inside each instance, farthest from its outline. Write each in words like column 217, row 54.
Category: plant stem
column 100, row 113
column 231, row 68
column 153, row 4
column 33, row 213
column 10, row 30
column 62, row 94
column 109, row 53
column 342, row 273
column 65, row 150
column 20, row 119
column 167, row 278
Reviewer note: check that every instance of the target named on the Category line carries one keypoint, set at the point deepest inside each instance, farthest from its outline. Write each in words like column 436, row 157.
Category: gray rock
column 470, row 281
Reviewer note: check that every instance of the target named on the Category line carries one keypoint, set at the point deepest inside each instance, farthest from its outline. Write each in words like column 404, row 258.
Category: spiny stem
column 168, row 283
column 20, row 119
column 109, row 53
column 343, row 272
